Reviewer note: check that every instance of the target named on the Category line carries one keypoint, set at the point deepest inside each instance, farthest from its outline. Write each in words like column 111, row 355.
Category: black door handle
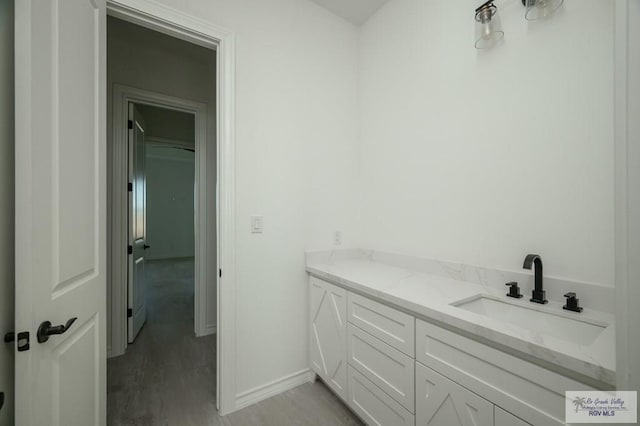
column 10, row 337
column 1, row 400
column 146, row 246
column 45, row 330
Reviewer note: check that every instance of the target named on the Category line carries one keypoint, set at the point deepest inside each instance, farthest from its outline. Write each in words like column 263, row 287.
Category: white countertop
column 430, row 296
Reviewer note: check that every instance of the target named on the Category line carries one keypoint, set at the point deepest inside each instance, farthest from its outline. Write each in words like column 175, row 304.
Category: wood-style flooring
column 168, row 377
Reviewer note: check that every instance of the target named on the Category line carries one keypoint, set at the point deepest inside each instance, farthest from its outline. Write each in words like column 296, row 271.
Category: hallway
column 168, row 377
column 166, row 373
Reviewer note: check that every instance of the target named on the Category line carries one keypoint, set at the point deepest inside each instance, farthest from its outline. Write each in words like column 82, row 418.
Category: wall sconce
column 488, row 27
column 538, row 9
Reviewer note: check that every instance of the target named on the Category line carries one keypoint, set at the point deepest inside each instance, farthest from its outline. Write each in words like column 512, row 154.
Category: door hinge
column 130, row 124
column 23, row 341
column 129, row 186
column 129, row 249
column 220, row 273
column 129, row 313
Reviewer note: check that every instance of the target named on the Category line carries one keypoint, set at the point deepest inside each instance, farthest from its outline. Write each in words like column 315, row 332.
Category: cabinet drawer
column 525, row 389
column 441, row 402
column 373, row 405
column 387, row 324
column 391, row 370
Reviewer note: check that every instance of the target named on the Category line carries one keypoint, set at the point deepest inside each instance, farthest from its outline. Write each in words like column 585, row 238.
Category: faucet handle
column 573, row 304
column 514, row 290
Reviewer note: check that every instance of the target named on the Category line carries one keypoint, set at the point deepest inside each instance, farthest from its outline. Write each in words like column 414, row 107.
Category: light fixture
column 537, row 9
column 488, row 27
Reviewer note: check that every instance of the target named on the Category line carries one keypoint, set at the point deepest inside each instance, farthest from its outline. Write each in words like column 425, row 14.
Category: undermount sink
column 576, row 330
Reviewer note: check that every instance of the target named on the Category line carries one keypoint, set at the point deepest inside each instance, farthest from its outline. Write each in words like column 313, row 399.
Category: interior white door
column 328, row 308
column 60, row 212
column 137, row 311
column 441, row 402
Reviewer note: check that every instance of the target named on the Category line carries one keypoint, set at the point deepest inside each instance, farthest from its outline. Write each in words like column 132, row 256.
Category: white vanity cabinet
column 328, row 345
column 392, row 368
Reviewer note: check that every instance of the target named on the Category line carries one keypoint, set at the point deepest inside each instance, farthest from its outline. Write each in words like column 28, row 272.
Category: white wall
column 296, row 67
column 7, row 207
column 633, row 289
column 152, row 61
column 170, row 186
column 628, row 194
column 485, row 156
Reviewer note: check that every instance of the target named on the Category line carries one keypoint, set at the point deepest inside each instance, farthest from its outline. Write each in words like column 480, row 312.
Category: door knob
column 10, row 337
column 146, row 246
column 46, row 329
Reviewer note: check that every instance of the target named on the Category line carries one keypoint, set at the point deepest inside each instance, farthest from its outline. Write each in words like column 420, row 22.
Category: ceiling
column 355, row 11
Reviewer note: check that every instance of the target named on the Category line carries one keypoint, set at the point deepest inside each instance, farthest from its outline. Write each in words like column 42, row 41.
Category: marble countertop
column 430, row 296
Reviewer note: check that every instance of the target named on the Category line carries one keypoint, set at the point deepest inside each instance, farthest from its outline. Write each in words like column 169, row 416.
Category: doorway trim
column 122, row 96
column 157, row 17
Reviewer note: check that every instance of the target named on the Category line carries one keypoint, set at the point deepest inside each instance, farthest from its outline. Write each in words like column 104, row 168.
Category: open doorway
column 161, row 212
column 162, row 322
column 163, row 351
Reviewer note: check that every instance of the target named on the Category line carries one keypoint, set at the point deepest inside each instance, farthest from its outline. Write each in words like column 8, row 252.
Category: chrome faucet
column 538, row 294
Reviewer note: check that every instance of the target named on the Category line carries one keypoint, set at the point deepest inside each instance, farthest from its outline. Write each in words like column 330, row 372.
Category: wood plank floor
column 167, row 376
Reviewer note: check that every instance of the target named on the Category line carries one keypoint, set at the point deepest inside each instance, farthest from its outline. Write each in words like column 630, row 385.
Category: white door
column 137, row 224
column 441, row 402
column 328, row 306
column 60, row 212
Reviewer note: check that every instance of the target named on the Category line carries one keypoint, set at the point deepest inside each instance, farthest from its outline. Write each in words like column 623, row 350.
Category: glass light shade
column 488, row 27
column 539, row 9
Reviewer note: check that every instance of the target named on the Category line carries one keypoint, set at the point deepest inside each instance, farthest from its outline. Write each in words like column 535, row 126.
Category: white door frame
column 122, row 96
column 169, row 21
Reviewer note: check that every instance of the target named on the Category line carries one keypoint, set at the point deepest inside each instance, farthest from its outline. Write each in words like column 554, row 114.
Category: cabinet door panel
column 441, row 402
column 328, row 308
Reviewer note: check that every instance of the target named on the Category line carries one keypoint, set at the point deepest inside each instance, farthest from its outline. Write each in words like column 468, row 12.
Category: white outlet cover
column 337, row 238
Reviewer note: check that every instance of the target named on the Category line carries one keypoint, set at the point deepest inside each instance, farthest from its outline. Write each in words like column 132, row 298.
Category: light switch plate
column 256, row 224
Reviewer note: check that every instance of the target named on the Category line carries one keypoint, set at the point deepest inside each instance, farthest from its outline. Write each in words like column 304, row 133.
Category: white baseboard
column 210, row 329
column 111, row 353
column 275, row 387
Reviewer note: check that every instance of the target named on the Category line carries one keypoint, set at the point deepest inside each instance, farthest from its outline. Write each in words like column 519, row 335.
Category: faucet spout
column 535, row 261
